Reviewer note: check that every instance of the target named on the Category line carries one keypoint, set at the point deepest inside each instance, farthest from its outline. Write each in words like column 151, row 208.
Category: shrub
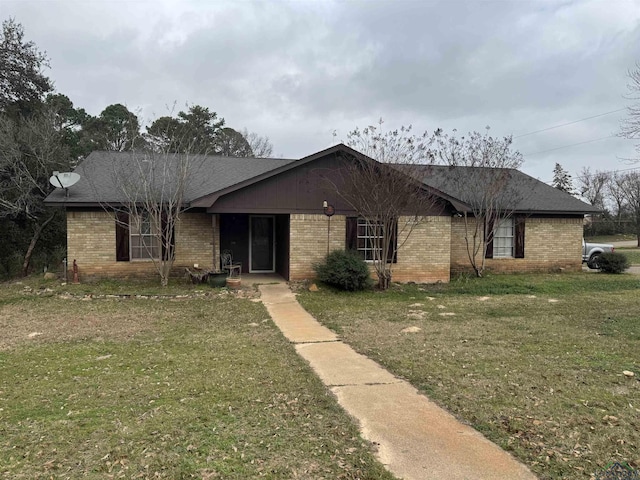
column 345, row 270
column 612, row 262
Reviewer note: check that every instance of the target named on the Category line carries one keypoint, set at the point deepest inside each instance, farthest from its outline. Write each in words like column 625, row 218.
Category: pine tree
column 562, row 179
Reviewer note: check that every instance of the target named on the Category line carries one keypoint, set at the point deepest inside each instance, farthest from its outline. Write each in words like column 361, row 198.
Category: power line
column 597, row 172
column 567, row 146
column 571, row 123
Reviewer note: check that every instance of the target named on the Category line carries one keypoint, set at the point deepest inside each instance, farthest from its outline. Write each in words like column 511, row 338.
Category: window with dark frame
column 144, row 237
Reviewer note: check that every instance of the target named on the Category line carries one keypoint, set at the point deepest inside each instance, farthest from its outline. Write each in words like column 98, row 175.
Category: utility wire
column 567, row 146
column 571, row 123
column 597, row 172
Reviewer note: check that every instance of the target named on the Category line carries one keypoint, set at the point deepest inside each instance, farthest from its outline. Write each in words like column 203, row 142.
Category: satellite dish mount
column 64, row 180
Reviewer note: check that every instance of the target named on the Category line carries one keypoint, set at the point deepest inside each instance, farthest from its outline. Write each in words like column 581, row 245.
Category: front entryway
column 261, row 243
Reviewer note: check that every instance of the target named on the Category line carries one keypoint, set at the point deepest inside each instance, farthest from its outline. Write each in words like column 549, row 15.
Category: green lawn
column 633, row 254
column 187, row 387
column 620, row 237
column 534, row 362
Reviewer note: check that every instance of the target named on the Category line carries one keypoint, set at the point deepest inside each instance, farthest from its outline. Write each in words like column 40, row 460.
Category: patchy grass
column 199, row 387
column 534, row 362
column 620, row 237
column 632, row 254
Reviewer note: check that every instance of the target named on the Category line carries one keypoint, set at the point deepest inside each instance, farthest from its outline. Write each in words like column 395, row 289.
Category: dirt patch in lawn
column 60, row 321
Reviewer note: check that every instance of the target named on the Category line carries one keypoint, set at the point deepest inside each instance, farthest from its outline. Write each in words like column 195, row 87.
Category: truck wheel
column 594, row 262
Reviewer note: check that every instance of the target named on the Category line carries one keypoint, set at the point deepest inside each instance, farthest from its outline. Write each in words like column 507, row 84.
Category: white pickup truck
column 591, row 253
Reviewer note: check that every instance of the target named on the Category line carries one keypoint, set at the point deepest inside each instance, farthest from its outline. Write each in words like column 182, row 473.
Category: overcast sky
column 298, row 71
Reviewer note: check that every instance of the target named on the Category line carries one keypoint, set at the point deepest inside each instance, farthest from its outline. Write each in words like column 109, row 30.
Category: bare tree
column 592, row 186
column 383, row 191
column 261, row 147
column 616, row 193
column 480, row 172
column 30, row 150
column 629, row 183
column 153, row 184
column 630, row 127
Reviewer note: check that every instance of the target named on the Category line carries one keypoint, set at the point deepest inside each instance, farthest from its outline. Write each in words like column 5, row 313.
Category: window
column 503, row 239
column 369, row 239
column 508, row 239
column 144, row 236
column 139, row 238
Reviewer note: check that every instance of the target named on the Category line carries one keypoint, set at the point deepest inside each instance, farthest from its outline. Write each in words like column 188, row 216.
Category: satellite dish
column 64, row 179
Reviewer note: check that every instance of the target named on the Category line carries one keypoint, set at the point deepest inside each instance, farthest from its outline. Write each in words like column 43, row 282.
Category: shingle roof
column 102, row 172
column 533, row 196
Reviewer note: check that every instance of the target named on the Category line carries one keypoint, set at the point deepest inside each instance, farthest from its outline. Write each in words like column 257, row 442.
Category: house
column 270, row 213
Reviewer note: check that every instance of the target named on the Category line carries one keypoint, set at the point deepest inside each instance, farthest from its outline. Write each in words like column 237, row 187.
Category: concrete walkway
column 416, row 439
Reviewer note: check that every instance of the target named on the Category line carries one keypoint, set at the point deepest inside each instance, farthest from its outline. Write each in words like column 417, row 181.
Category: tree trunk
column 165, row 272
column 384, row 279
column 32, row 245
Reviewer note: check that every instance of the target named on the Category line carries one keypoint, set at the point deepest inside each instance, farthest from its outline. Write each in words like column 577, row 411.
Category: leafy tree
column 232, row 143
column 30, row 150
column 194, row 131
column 163, row 134
column 201, row 130
column 115, row 129
column 487, row 190
column 562, row 179
column 22, row 82
column 69, row 123
column 31, row 145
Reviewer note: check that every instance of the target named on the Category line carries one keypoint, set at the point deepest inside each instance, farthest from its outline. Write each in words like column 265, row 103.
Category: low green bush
column 613, row 262
column 345, row 270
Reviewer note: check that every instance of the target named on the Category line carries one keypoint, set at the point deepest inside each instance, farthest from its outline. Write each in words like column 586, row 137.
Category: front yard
column 534, row 362
column 199, row 385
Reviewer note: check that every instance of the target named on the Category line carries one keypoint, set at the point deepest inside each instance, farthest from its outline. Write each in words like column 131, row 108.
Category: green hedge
column 613, row 262
column 345, row 270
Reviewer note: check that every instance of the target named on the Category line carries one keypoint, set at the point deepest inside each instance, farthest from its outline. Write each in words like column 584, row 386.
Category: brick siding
column 308, row 241
column 433, row 251
column 91, row 241
column 423, row 256
column 424, row 251
column 550, row 244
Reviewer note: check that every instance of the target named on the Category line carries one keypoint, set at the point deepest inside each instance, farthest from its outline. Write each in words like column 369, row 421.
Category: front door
column 261, row 244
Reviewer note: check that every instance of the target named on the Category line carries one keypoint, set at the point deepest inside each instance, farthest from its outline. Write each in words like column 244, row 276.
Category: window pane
column 503, row 239
column 369, row 235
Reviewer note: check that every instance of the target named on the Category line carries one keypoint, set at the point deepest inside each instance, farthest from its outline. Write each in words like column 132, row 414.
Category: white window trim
column 134, row 232
column 500, row 251
column 368, row 225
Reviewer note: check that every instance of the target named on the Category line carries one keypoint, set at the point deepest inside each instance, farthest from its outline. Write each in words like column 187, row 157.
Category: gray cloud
column 297, row 71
